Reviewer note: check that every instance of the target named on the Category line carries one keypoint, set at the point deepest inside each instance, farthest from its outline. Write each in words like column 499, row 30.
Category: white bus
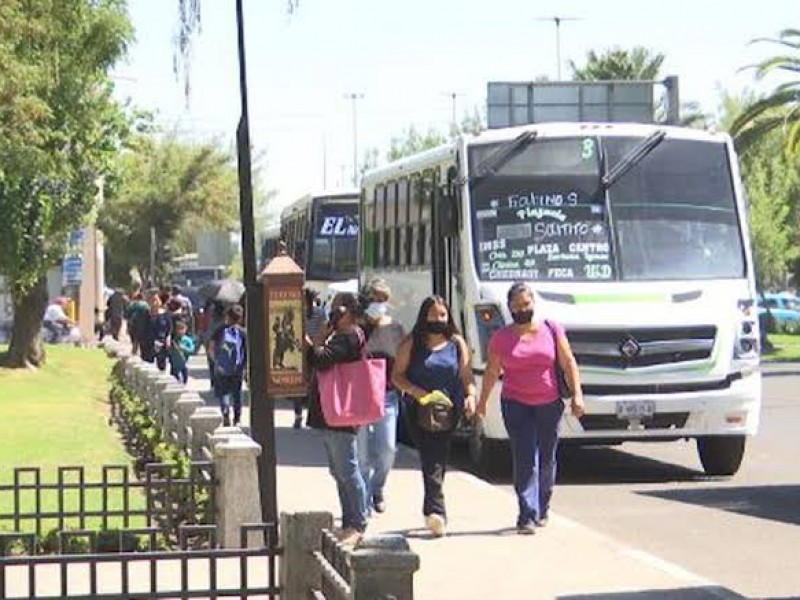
column 633, row 236
column 321, row 234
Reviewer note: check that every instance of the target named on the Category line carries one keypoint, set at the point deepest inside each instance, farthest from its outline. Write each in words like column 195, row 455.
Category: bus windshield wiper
column 632, row 158
column 502, row 155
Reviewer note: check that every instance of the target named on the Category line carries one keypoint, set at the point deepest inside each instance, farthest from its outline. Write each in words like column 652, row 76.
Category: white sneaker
column 436, row 525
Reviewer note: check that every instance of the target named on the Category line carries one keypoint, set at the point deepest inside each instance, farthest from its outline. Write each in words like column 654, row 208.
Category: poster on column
column 284, row 339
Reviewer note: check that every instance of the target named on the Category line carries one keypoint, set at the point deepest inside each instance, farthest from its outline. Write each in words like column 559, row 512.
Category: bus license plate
column 635, row 409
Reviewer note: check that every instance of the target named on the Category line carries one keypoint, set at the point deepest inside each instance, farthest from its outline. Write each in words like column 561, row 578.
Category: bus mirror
column 447, row 212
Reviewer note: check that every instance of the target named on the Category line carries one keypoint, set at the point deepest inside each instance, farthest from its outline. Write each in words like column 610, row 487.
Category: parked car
column 780, row 312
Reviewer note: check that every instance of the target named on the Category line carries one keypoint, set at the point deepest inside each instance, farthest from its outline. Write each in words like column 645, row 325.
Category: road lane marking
column 669, row 568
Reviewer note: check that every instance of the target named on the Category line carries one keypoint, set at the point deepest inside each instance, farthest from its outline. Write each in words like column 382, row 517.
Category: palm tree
column 615, row 64
column 781, row 108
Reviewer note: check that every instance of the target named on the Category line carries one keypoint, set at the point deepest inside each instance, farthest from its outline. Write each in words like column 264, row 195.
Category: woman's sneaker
column 528, row 528
column 378, row 503
column 436, row 525
column 348, row 536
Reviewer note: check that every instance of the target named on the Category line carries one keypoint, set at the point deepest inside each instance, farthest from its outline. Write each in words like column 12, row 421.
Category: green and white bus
column 633, row 236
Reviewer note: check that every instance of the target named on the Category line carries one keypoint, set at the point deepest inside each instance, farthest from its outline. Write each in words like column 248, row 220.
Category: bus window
column 404, row 238
column 390, row 241
column 334, row 241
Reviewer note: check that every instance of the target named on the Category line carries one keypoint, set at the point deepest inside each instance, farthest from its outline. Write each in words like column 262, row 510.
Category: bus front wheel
column 721, row 455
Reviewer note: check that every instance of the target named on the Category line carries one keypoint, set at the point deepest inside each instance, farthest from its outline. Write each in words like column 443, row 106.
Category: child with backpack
column 180, row 350
column 229, row 350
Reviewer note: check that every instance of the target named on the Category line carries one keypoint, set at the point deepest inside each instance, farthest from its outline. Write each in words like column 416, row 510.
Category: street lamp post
column 354, row 98
column 262, row 416
column 558, row 21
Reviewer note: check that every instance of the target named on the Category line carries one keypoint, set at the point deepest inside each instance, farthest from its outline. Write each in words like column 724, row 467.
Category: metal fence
column 164, row 498
column 202, row 571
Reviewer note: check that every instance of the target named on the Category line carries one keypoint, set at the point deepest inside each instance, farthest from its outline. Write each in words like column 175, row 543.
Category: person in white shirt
column 55, row 319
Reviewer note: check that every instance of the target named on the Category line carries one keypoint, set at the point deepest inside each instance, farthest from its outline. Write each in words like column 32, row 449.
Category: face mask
column 522, row 317
column 437, row 327
column 376, row 310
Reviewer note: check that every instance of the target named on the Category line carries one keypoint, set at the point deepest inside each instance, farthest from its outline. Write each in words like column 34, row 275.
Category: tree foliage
column 772, row 183
column 60, row 131
column 174, row 186
column 779, row 110
column 638, row 63
column 412, row 141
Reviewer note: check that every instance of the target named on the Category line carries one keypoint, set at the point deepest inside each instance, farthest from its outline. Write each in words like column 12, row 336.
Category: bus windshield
column 544, row 214
column 333, row 251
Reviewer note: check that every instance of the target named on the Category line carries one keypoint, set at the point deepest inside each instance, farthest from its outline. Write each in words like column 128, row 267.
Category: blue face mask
column 376, row 310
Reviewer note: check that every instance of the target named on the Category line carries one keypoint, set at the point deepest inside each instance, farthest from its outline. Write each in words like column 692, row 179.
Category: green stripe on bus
column 619, row 298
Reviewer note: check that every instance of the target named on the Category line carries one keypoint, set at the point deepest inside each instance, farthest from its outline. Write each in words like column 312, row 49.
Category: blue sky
column 407, row 58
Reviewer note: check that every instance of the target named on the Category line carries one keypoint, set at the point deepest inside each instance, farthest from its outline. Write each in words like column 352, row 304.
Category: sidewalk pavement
column 482, row 557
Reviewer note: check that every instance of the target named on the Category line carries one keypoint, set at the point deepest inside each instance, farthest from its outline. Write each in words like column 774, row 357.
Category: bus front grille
column 641, row 347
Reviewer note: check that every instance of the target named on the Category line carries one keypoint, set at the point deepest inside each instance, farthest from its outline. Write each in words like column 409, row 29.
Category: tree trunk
column 26, row 349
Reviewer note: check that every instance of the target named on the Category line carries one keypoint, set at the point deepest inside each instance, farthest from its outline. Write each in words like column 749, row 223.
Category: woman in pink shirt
column 526, row 353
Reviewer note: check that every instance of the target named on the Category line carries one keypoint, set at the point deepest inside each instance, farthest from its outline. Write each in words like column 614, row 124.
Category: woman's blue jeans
column 341, row 448
column 377, row 445
column 533, row 434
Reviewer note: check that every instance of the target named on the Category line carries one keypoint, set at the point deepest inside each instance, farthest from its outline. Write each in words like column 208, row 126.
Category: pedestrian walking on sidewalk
column 137, row 315
column 180, row 350
column 229, row 349
column 529, row 354
column 344, row 345
column 315, row 326
column 155, row 344
column 377, row 442
column 432, row 369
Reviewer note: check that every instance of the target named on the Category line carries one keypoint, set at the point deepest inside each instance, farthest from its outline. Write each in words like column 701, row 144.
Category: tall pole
column 558, row 47
column 262, row 416
column 324, row 162
column 558, row 21
column 354, row 98
column 152, row 256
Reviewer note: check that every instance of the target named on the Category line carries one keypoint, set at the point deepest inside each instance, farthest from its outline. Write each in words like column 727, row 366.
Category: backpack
column 229, row 352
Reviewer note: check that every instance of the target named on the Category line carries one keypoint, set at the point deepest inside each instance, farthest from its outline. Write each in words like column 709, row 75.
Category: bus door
column 445, row 257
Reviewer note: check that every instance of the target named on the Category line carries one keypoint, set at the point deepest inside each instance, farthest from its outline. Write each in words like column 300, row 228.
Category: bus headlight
column 489, row 319
column 746, row 346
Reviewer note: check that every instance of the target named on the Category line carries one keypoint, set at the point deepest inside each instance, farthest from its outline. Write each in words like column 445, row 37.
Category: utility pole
column 453, row 99
column 558, row 21
column 324, row 162
column 354, row 98
column 152, row 256
column 261, row 409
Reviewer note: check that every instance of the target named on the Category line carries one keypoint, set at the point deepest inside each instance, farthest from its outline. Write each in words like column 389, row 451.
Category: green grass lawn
column 787, row 348
column 58, row 416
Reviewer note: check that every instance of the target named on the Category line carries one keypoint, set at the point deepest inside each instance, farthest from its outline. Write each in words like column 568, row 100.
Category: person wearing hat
column 377, row 442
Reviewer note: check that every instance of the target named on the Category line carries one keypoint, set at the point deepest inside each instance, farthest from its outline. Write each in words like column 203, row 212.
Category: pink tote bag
column 352, row 394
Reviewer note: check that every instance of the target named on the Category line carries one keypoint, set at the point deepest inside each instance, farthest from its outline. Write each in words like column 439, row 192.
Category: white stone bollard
column 203, row 422
column 237, row 497
column 169, row 396
column 186, row 405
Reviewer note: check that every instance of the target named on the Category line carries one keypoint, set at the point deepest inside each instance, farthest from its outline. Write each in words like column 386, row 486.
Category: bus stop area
column 482, row 556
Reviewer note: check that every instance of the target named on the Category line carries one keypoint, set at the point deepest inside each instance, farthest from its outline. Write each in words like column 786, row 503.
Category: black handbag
column 563, row 386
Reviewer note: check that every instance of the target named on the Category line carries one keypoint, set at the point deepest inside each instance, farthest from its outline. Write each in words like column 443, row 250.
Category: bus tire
column 492, row 458
column 721, row 455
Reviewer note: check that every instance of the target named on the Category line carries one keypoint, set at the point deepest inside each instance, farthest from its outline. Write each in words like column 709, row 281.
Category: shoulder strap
column 554, row 336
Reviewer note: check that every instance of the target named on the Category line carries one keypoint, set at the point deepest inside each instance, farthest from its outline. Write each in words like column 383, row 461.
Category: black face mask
column 437, row 327
column 522, row 317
